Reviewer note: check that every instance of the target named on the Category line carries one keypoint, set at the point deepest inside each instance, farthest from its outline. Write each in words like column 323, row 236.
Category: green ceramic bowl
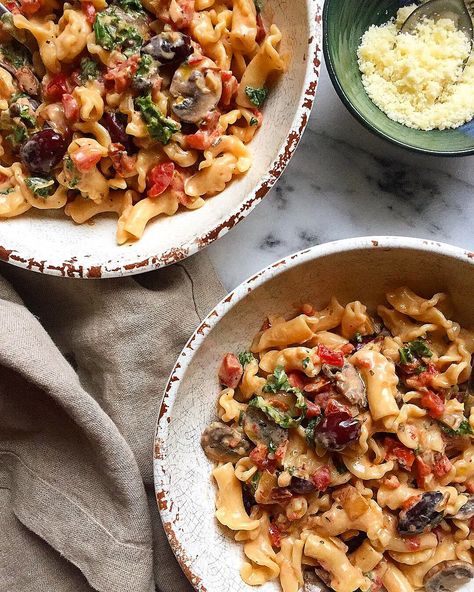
column 344, row 23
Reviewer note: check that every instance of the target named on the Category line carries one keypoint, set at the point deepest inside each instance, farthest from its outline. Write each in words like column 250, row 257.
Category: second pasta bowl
column 317, row 428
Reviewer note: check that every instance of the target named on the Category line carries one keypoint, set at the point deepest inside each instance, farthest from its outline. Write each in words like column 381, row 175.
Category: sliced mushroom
column 27, row 81
column 169, row 47
column 316, row 580
column 466, row 512
column 348, row 382
column 196, row 90
column 262, row 430
column 223, row 443
column 448, row 576
column 423, row 515
column 301, row 486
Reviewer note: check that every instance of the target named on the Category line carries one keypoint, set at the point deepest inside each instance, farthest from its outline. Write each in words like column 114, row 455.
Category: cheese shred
column 417, row 79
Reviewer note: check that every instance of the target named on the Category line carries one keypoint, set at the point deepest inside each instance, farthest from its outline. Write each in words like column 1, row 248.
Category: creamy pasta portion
column 131, row 107
column 343, row 448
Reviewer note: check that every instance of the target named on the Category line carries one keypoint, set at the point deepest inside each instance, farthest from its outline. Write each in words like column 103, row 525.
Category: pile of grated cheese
column 417, row 79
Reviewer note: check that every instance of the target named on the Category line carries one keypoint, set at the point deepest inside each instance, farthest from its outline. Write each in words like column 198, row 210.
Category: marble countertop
column 343, row 182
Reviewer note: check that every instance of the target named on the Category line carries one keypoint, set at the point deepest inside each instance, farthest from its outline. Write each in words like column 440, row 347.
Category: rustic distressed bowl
column 361, row 268
column 344, row 24
column 51, row 243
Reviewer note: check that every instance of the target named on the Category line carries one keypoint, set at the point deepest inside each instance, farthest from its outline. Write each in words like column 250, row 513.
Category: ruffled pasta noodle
column 396, row 488
column 174, row 128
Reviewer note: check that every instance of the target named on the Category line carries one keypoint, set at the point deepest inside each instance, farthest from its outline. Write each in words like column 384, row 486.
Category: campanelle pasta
column 156, row 100
column 344, row 448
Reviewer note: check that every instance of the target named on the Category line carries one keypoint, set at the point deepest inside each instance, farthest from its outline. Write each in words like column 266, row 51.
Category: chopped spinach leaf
column 144, row 66
column 278, row 381
column 72, row 174
column 254, row 481
column 256, row 96
column 245, row 358
column 160, row 128
column 112, row 32
column 253, row 121
column 134, row 5
column 7, row 191
column 310, row 429
column 281, row 418
column 15, row 54
column 421, row 368
column 305, row 363
column 26, row 116
column 18, row 95
column 18, row 135
column 414, row 350
column 89, row 70
column 39, row 186
column 358, row 337
column 272, row 448
column 463, row 430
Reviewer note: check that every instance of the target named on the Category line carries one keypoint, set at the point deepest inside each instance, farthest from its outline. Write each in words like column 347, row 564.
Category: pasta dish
column 343, row 450
column 129, row 107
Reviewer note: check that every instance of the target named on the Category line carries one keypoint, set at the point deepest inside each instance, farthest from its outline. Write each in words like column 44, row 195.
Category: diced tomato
column 395, row 450
column 424, row 379
column 331, row 357
column 261, row 30
column 433, row 403
column 408, row 503
column 158, row 180
column 119, row 77
column 89, row 10
column 312, row 410
column 195, row 58
column 275, row 534
column 296, row 379
column 391, row 482
column 71, row 107
column 423, row 469
column 30, row 7
column 470, row 486
column 229, row 87
column 413, row 543
column 347, row 349
column 182, row 13
column 334, row 406
column 121, row 161
column 259, row 456
column 207, row 133
column 230, row 371
column 12, row 7
column 321, row 478
column 57, row 87
column 85, row 159
column 442, row 465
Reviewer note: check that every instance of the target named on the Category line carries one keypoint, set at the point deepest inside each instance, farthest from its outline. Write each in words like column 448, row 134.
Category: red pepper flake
column 423, row 469
column 89, row 10
column 321, row 478
column 275, row 535
column 331, row 357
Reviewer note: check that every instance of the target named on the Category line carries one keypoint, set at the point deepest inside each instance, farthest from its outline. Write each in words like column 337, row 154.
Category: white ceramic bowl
column 51, row 243
column 361, row 268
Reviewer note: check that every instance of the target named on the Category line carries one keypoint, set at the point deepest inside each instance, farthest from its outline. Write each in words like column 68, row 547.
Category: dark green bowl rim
column 363, row 120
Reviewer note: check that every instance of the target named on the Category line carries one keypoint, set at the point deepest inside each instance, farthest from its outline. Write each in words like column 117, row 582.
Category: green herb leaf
column 144, row 66
column 278, row 381
column 134, row 5
column 253, row 121
column 112, row 32
column 7, row 191
column 282, row 419
column 339, row 465
column 414, row 350
column 463, row 430
column 256, row 96
column 71, row 173
column 15, row 54
column 310, row 429
column 26, row 116
column 39, row 186
column 358, row 337
column 305, row 363
column 245, row 358
column 272, row 447
column 89, row 70
column 18, row 135
column 241, row 418
column 160, row 128
column 255, row 480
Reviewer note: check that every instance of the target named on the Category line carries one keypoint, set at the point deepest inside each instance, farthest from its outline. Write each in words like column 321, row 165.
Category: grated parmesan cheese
column 417, row 79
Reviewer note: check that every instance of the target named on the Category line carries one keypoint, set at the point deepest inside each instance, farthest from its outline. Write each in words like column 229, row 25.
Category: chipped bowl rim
column 119, row 268
column 163, row 494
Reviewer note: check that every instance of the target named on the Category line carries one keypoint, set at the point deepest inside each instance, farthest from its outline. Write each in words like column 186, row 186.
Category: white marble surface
column 345, row 182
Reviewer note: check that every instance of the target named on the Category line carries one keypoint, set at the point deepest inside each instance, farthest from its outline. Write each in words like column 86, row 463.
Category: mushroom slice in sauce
column 196, row 90
column 223, row 443
column 423, row 515
column 348, row 382
column 448, row 576
column 466, row 512
column 316, row 580
column 262, row 430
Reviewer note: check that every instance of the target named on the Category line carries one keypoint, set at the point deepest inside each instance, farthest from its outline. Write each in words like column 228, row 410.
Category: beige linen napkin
column 83, row 365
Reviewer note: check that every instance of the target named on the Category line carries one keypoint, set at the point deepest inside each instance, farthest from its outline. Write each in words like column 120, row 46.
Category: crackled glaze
column 362, row 269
